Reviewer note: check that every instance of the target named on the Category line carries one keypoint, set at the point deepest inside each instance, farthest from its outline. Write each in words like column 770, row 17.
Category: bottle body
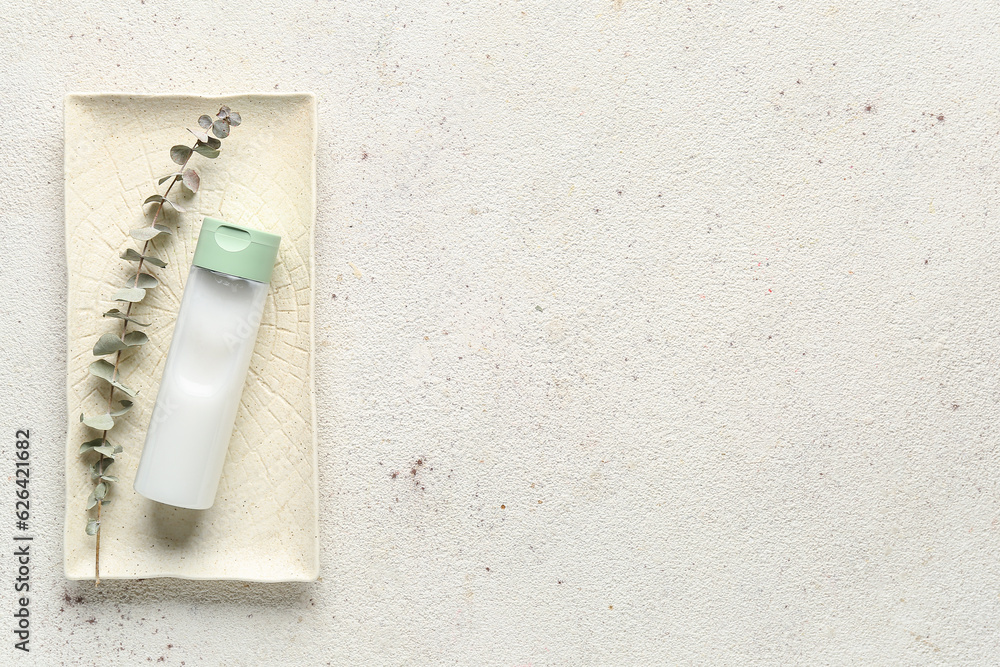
column 200, row 389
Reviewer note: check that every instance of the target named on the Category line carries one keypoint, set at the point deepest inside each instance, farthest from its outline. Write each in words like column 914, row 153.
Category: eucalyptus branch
column 134, row 292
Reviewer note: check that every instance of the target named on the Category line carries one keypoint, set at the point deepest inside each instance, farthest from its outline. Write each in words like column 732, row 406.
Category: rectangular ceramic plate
column 264, row 524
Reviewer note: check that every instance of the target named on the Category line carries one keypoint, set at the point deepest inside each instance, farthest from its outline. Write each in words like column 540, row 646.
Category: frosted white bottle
column 206, row 366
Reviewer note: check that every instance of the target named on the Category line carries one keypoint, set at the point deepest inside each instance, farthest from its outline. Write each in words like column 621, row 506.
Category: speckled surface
column 688, row 309
column 263, row 525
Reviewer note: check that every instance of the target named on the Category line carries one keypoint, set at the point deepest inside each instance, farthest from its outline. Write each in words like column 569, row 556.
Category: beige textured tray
column 264, row 525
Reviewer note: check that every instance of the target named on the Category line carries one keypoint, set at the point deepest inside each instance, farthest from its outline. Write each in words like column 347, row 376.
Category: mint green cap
column 237, row 250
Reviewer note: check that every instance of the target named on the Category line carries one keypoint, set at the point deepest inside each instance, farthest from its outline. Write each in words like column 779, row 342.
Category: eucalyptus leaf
column 91, row 444
column 168, row 177
column 205, row 121
column 175, row 205
column 131, row 255
column 191, row 180
column 220, row 128
column 180, row 154
column 125, row 407
column 143, row 280
column 207, row 151
column 104, row 502
column 234, row 118
column 155, row 261
column 91, row 500
column 114, row 312
column 144, row 233
column 147, row 233
column 223, row 111
column 108, row 478
column 124, row 389
column 199, row 135
column 153, row 199
column 135, row 338
column 101, row 490
column 100, row 422
column 93, row 525
column 214, row 143
column 105, row 370
column 108, row 344
column 107, row 450
column 118, row 449
column 130, row 294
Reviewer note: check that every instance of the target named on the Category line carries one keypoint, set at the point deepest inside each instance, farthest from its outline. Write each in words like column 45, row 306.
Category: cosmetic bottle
column 206, row 366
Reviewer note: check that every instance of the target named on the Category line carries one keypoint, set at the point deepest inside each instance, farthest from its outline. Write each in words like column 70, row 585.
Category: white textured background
column 688, row 309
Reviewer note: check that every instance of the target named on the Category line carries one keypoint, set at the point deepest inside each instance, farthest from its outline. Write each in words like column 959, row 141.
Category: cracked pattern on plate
column 263, row 526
